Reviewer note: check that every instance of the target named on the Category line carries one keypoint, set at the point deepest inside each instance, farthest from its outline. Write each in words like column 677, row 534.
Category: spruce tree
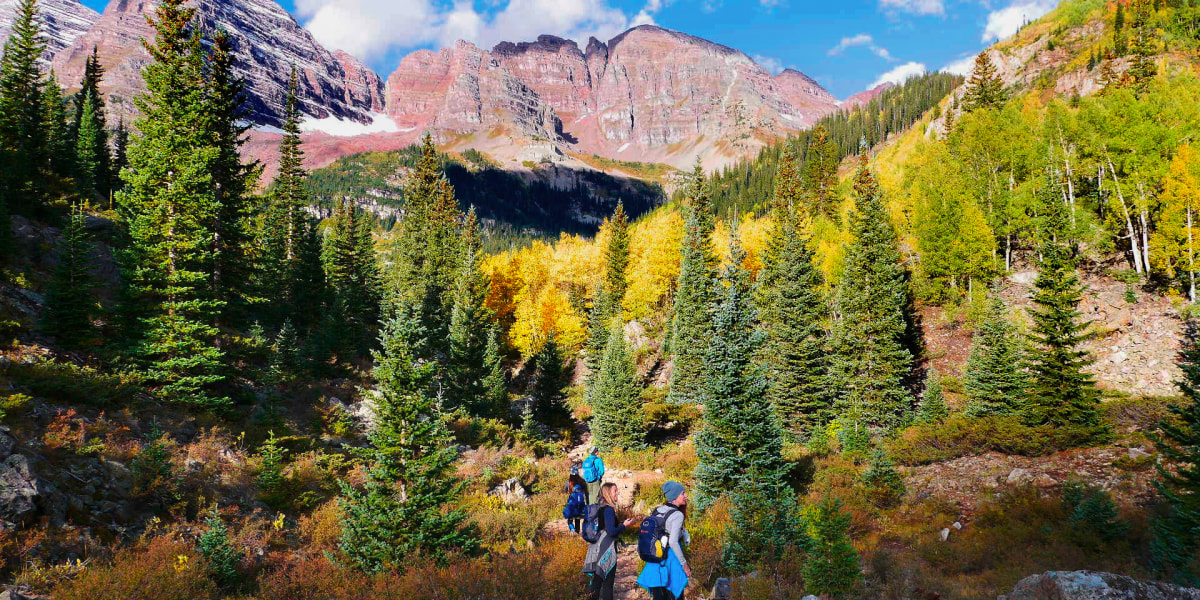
column 1176, row 543
column 495, row 385
column 607, row 305
column 1061, row 393
column 285, row 354
column 1120, row 45
column 60, row 144
column 741, row 432
column 470, row 321
column 22, row 131
column 691, row 328
column 984, row 89
column 831, row 564
column 70, row 301
column 285, row 223
column 1142, row 68
column 869, row 362
column 995, row 381
column 403, row 512
column 792, row 306
column 169, row 205
column 219, row 553
column 352, row 270
column 820, row 174
column 763, row 523
column 91, row 133
column 617, row 397
column 884, row 486
column 933, row 400
column 549, row 386
column 120, row 152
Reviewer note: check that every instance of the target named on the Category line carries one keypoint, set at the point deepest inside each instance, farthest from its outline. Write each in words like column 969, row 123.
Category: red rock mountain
column 863, row 97
column 61, row 21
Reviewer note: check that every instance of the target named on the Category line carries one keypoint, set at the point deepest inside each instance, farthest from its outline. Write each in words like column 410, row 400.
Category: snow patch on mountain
column 345, row 128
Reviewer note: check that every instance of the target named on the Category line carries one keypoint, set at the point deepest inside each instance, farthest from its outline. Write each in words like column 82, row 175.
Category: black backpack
column 591, row 524
column 652, row 541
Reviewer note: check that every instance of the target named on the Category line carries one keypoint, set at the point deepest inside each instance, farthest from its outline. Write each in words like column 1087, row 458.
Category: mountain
column 649, row 94
column 268, row 43
column 62, row 22
column 865, row 96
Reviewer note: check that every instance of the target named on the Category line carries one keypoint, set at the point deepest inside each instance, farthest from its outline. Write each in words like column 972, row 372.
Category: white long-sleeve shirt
column 677, row 534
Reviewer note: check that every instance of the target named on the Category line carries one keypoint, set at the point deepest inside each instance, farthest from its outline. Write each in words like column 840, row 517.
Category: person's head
column 608, row 493
column 675, row 494
column 595, row 451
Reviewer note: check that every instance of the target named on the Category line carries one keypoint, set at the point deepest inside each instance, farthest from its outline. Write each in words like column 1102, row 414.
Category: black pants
column 578, row 523
column 663, row 593
column 602, row 588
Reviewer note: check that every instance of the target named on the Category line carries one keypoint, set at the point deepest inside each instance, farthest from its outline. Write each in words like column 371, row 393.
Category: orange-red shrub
column 165, row 568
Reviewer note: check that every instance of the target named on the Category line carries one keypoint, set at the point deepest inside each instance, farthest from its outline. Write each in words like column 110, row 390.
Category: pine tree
column 741, row 432
column 763, row 523
column 695, row 294
column 120, row 153
column 352, row 271
column 617, row 397
column 169, row 205
column 1120, row 46
column 933, row 401
column 286, row 223
column 793, row 306
column 470, row 321
column 820, row 174
column 402, row 512
column 70, row 301
column 219, row 553
column 60, row 145
column 607, row 305
column 549, row 386
column 831, row 565
column 1143, row 68
column 984, row 89
column 285, row 354
column 272, row 485
column 870, row 362
column 995, row 380
column 885, row 487
column 22, row 132
column 495, row 385
column 1177, row 534
column 91, row 133
column 1061, row 393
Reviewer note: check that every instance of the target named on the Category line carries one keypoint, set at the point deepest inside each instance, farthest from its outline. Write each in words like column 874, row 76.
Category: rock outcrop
column 267, row 42
column 62, row 22
column 19, row 493
column 1095, row 585
column 863, row 97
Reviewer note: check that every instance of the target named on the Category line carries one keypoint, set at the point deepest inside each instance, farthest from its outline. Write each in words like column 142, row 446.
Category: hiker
column 574, row 479
column 576, row 508
column 601, row 530
column 661, row 539
column 593, row 474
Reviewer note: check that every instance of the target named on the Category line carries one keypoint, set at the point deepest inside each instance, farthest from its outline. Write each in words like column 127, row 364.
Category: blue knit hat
column 672, row 490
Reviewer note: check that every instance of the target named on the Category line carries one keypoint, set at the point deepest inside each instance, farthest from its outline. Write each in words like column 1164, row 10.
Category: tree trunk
column 1132, row 233
column 1191, row 259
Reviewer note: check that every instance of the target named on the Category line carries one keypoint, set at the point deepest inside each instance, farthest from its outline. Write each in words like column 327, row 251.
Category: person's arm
column 613, row 528
column 676, row 533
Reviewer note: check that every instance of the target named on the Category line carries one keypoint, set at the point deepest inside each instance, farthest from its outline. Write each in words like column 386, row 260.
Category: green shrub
column 961, row 436
column 13, row 404
column 884, row 486
column 272, row 485
column 855, row 439
column 74, row 384
column 1092, row 509
column 222, row 557
column 832, row 563
column 154, row 476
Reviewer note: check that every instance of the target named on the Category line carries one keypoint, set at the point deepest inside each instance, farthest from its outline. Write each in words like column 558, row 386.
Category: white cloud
column 916, row 7
column 370, row 28
column 773, row 65
column 899, row 74
column 1007, row 21
column 865, row 40
column 963, row 66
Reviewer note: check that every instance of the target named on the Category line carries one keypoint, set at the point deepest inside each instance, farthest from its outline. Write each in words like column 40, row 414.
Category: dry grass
column 165, row 568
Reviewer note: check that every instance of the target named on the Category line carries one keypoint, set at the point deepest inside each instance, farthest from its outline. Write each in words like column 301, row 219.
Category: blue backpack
column 576, row 506
column 591, row 524
column 652, row 540
column 593, row 469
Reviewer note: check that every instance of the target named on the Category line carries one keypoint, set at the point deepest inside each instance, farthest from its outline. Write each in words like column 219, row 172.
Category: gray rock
column 723, row 590
column 7, row 445
column 945, row 534
column 1017, row 476
column 1095, row 585
column 1136, row 453
column 957, row 526
column 810, row 597
column 19, row 492
column 510, row 491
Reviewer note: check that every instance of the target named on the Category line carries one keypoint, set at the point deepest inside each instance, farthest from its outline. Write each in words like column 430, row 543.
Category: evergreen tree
column 617, row 397
column 352, row 270
column 995, row 380
column 495, row 385
column 285, row 354
column 286, row 223
column 222, row 557
column 549, row 386
column 885, row 487
column 1142, row 68
column 831, row 565
column 22, row 131
column 870, row 362
column 820, row 174
column 741, row 432
column 1061, row 393
column 402, row 512
column 607, row 305
column 70, row 301
column 984, row 89
column 763, row 523
column 91, row 133
column 169, row 205
column 933, row 401
column 691, row 328
column 470, row 321
column 120, row 152
column 60, row 145
column 793, row 306
column 1177, row 534
column 1120, row 45
column 271, row 483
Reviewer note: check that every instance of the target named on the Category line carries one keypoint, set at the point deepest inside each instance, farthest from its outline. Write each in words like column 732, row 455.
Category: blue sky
column 847, row 45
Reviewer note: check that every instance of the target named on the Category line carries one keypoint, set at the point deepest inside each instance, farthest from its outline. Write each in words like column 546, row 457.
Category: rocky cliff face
column 863, row 97
column 649, row 94
column 62, row 22
column 268, row 43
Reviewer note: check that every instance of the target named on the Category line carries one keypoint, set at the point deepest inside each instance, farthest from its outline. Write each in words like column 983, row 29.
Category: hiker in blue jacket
column 601, row 560
column 593, row 474
column 667, row 579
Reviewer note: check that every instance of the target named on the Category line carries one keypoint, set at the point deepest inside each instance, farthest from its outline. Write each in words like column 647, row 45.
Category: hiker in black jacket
column 601, row 560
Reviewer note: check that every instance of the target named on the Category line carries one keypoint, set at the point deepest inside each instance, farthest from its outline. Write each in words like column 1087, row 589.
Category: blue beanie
column 672, row 490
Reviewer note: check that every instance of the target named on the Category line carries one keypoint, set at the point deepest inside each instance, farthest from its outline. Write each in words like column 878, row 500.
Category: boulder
column 19, row 492
column 723, row 590
column 1095, row 585
column 510, row 491
column 1017, row 476
column 7, row 445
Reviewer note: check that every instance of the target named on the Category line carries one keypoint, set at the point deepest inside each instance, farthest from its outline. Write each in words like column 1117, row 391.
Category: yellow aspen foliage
column 539, row 313
column 653, row 262
column 501, row 298
column 753, row 233
column 1178, row 236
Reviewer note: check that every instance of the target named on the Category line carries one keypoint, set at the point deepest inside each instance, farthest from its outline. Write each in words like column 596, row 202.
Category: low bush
column 165, row 568
column 69, row 383
column 961, row 436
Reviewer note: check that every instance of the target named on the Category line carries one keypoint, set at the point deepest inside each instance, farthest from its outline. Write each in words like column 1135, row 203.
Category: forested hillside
column 886, row 359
